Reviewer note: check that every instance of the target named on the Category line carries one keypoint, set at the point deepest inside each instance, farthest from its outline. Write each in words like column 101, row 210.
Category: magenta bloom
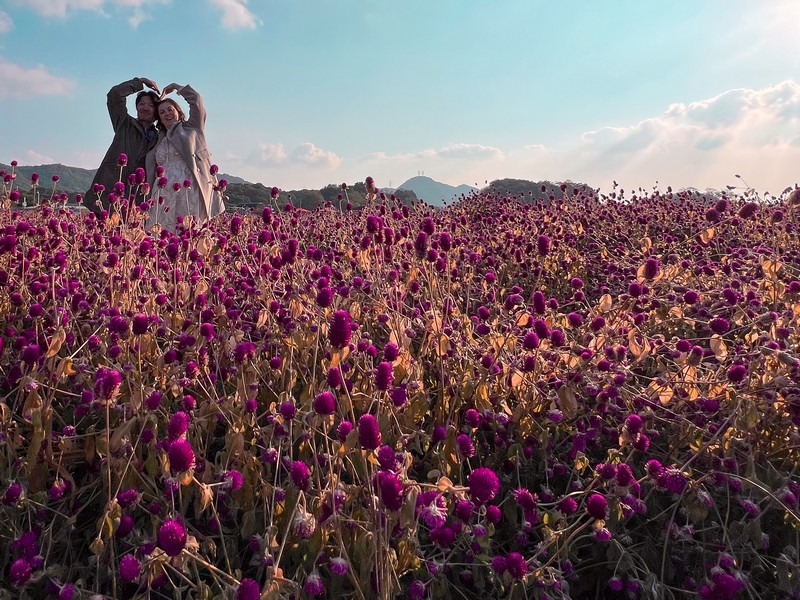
column 129, row 568
column 171, row 537
column 737, row 373
column 567, row 505
column 140, row 324
column 20, row 572
column 300, row 474
column 651, row 268
column 483, row 485
column 390, row 489
column 543, row 245
column 107, row 383
column 384, row 376
column 369, row 435
column 340, row 330
column 597, row 506
column 516, row 565
column 178, row 425
column 122, row 160
column 181, row 456
column 748, row 210
column 325, row 403
column 248, row 590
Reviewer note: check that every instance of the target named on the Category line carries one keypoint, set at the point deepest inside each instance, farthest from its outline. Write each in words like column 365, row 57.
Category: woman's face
column 168, row 114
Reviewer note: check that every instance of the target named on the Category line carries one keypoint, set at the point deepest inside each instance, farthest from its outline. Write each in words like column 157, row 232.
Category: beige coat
column 189, row 138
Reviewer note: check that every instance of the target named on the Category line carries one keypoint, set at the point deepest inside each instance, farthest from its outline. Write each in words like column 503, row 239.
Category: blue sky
column 301, row 93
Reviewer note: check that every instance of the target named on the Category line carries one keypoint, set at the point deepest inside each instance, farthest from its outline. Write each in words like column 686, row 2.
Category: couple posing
column 160, row 137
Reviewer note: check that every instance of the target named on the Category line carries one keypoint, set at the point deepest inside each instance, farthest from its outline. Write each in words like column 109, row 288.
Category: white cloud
column 309, row 154
column 235, row 14
column 737, row 131
column 6, row 24
column 269, row 155
column 704, row 143
column 21, row 82
column 449, row 152
column 62, row 8
column 31, row 157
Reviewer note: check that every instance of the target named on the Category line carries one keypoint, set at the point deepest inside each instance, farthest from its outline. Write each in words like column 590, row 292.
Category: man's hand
column 151, row 84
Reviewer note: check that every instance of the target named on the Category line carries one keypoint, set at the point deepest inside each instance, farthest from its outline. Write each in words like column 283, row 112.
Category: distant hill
column 434, row 192
column 539, row 191
column 72, row 180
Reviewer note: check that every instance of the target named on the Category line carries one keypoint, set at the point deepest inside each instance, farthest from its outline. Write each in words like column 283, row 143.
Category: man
column 133, row 136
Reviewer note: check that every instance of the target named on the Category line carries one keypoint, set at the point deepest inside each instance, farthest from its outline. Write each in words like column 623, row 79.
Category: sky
column 303, row 93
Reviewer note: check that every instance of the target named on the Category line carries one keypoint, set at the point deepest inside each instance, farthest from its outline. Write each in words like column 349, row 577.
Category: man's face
column 146, row 110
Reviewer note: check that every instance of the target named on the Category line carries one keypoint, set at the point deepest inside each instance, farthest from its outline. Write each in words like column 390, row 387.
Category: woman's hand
column 172, row 87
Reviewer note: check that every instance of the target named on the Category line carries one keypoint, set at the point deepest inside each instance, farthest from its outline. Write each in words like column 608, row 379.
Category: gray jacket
column 130, row 138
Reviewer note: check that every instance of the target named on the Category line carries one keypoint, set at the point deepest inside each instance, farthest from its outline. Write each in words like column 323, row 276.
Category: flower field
column 594, row 397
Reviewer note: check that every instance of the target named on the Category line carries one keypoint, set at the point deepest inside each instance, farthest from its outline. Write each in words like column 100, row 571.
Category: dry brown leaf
column 56, row 342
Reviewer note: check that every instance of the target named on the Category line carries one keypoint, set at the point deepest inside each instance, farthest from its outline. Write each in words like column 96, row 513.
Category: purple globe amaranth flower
column 672, row 480
column 340, row 329
column 516, row 565
column 140, row 324
column 391, row 351
column 539, row 303
column 343, row 430
column 248, row 590
column 171, row 537
column 484, row 484
column 390, row 489
column 300, row 475
column 384, row 376
column 466, row 447
column 129, row 568
column 498, row 564
column 339, row 566
column 12, row 494
column 574, row 319
column 107, row 383
column 314, row 586
column 719, row 325
column 234, row 479
column 568, row 505
column 178, row 425
column 651, row 268
column 387, row 458
column 597, row 506
column 244, row 351
column 634, row 423
column 20, row 572
column 737, row 373
column 530, row 341
column 399, row 396
column 543, row 245
column 748, row 210
column 31, row 354
column 369, row 434
column 325, row 297
column 324, row 403
column 334, row 377
column 181, row 456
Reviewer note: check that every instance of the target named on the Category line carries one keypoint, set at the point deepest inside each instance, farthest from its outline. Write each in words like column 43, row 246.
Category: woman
column 191, row 187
